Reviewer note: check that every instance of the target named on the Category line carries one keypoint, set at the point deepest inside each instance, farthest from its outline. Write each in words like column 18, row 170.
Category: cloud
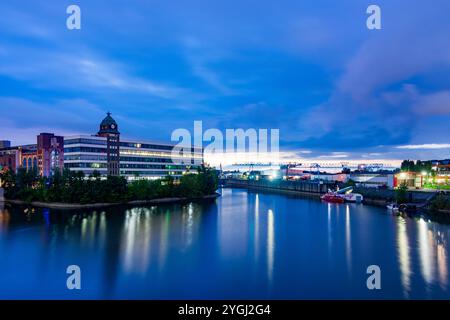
column 200, row 57
column 389, row 92
column 334, row 155
column 425, row 146
column 28, row 118
column 161, row 65
column 77, row 72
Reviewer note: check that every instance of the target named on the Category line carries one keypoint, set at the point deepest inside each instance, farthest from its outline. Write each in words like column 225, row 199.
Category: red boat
column 332, row 197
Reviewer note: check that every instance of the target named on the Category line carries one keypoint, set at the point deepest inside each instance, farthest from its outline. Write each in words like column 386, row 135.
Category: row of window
column 84, row 141
column 124, row 166
column 144, row 173
column 125, row 144
column 84, row 149
column 122, row 159
column 30, row 163
column 104, row 150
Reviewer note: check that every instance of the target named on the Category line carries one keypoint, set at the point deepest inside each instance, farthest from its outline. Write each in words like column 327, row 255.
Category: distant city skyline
column 335, row 90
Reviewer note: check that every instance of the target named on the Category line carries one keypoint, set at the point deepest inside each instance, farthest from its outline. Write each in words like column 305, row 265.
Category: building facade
column 110, row 130
column 441, row 167
column 5, row 144
column 9, row 159
column 104, row 152
column 45, row 156
column 109, row 154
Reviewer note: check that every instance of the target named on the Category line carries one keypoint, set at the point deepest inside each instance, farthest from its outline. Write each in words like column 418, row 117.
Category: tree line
column 418, row 166
column 74, row 187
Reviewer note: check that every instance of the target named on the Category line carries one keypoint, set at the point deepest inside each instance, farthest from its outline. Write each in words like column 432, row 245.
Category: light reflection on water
column 404, row 255
column 243, row 245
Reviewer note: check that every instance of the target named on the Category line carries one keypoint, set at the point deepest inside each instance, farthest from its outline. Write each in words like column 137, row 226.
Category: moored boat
column 392, row 207
column 332, row 197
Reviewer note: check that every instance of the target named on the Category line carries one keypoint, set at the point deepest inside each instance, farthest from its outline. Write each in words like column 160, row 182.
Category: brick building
column 45, row 156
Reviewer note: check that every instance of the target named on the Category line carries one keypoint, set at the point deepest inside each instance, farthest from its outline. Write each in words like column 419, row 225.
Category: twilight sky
column 312, row 69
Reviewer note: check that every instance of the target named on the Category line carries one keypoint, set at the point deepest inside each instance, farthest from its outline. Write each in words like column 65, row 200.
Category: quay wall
column 371, row 195
column 299, row 187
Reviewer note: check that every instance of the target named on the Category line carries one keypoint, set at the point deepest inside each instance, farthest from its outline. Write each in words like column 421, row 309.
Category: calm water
column 242, row 245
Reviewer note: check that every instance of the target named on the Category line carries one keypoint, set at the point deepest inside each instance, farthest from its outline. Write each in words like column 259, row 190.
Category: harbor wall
column 413, row 196
column 301, row 187
column 371, row 195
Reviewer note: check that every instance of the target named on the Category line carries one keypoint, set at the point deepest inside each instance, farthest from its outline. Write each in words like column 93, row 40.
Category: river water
column 243, row 245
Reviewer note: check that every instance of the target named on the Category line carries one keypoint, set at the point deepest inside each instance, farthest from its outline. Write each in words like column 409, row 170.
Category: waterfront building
column 419, row 179
column 441, row 167
column 5, row 144
column 105, row 152
column 108, row 153
column 110, row 130
column 373, row 179
column 45, row 156
column 9, row 158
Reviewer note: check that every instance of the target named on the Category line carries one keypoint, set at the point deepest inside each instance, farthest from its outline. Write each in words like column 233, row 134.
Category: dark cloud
column 308, row 68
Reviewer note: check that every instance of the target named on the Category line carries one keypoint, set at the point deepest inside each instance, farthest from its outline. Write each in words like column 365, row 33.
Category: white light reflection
column 136, row 240
column 232, row 224
column 188, row 223
column 403, row 255
column 442, row 260
column 330, row 240
column 348, row 239
column 164, row 240
column 102, row 229
column 270, row 243
column 425, row 252
column 256, row 237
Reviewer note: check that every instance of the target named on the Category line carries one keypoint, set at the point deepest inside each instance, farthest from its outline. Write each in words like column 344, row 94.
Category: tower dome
column 108, row 125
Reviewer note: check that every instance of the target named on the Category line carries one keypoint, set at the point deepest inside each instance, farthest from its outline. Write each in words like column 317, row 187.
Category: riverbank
column 79, row 206
column 372, row 196
column 304, row 188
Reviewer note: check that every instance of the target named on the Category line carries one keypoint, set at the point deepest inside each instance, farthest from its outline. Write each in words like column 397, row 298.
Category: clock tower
column 110, row 130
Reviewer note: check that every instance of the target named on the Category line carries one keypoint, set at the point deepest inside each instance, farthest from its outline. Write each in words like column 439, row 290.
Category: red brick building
column 45, row 156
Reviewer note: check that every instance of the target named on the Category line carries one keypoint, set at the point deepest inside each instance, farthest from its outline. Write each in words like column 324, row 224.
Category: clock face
column 113, row 126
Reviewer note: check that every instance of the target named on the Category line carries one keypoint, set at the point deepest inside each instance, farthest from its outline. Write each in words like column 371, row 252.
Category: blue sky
column 335, row 89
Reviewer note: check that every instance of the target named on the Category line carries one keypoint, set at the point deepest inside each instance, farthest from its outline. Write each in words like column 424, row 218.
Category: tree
column 401, row 193
column 407, row 165
column 73, row 187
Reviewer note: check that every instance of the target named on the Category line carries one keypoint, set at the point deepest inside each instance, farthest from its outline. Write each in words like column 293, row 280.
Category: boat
column 332, row 197
column 392, row 207
column 342, row 195
column 349, row 196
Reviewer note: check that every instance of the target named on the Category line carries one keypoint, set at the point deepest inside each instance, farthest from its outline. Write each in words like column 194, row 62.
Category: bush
column 401, row 193
column 73, row 187
column 440, row 202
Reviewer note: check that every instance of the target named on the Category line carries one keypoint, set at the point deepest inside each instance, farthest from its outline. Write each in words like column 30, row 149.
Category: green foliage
column 419, row 166
column 401, row 193
column 440, row 202
column 350, row 183
column 73, row 187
